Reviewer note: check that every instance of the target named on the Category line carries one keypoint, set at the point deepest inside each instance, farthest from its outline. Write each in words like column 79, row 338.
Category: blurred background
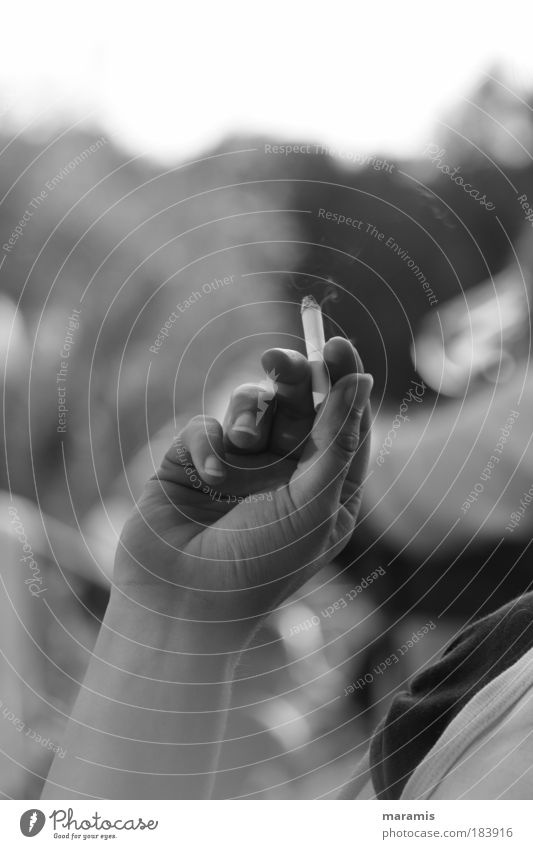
column 222, row 161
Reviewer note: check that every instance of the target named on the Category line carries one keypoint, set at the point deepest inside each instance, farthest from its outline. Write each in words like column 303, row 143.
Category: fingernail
column 213, row 467
column 358, row 391
column 245, row 423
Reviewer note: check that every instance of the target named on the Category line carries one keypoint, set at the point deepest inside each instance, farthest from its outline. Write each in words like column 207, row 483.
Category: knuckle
column 210, row 422
column 179, row 452
column 347, row 440
column 244, row 389
column 200, row 426
column 198, row 420
column 244, row 394
column 358, row 361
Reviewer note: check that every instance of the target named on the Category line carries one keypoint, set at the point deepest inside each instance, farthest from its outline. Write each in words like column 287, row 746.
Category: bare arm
column 196, row 573
column 151, row 713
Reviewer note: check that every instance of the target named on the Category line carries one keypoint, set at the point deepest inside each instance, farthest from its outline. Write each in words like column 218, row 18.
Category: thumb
column 332, row 444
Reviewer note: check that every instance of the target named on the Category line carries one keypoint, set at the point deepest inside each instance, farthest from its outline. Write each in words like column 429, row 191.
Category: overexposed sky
column 170, row 79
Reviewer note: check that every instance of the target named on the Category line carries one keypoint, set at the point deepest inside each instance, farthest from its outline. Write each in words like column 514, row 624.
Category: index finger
column 291, row 372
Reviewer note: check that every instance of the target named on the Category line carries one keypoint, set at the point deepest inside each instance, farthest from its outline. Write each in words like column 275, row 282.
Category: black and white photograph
column 266, row 478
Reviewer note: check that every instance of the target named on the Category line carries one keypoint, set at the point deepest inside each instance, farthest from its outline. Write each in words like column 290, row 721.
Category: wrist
column 148, row 626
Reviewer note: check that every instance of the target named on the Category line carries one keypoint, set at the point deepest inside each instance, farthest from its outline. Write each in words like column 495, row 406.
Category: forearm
column 150, row 714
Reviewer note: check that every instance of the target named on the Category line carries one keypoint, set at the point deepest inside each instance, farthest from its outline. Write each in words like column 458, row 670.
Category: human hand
column 242, row 513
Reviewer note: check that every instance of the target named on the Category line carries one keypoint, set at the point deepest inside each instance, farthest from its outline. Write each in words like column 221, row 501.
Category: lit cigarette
column 314, row 343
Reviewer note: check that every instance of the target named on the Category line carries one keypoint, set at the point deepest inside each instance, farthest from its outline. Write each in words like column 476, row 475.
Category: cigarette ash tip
column 308, row 302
